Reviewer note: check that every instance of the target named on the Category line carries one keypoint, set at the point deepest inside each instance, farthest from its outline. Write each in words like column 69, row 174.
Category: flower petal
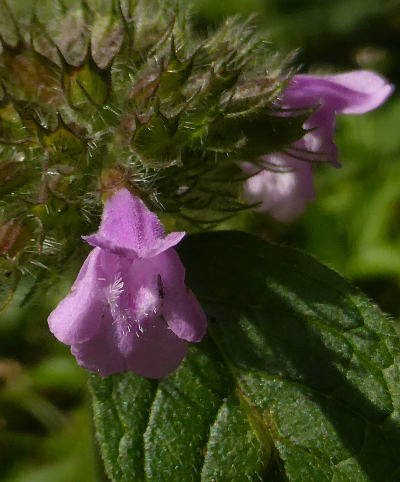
column 156, row 351
column 181, row 310
column 77, row 317
column 355, row 92
column 319, row 140
column 168, row 242
column 100, row 354
column 369, row 90
column 128, row 228
column 185, row 316
column 282, row 193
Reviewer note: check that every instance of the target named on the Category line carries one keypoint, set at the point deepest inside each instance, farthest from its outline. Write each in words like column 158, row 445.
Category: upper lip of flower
column 130, row 230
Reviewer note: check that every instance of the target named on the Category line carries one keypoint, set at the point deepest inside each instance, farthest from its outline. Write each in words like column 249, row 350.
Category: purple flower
column 286, row 184
column 129, row 308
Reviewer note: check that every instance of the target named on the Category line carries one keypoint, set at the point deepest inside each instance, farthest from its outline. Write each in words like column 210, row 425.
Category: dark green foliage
column 298, row 379
column 94, row 87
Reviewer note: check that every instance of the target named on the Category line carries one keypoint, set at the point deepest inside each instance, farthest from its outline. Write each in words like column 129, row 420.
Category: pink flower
column 129, row 308
column 286, row 184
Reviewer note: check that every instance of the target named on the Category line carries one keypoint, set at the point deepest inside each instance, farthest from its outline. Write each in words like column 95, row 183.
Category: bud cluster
column 97, row 95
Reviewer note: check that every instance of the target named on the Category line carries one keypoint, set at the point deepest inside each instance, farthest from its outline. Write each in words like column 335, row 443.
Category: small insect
column 160, row 287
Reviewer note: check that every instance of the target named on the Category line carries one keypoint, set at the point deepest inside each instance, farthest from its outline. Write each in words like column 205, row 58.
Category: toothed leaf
column 298, row 379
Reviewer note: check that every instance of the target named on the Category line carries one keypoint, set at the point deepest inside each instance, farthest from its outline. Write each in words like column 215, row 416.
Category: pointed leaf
column 298, row 380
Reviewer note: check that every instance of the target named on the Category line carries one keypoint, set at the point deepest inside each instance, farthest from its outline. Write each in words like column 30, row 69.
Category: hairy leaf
column 298, row 379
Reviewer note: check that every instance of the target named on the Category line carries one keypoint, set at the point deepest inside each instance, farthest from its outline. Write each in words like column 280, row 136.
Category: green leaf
column 297, row 380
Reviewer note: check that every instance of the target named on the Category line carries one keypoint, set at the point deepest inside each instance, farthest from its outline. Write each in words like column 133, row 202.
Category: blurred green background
column 354, row 227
